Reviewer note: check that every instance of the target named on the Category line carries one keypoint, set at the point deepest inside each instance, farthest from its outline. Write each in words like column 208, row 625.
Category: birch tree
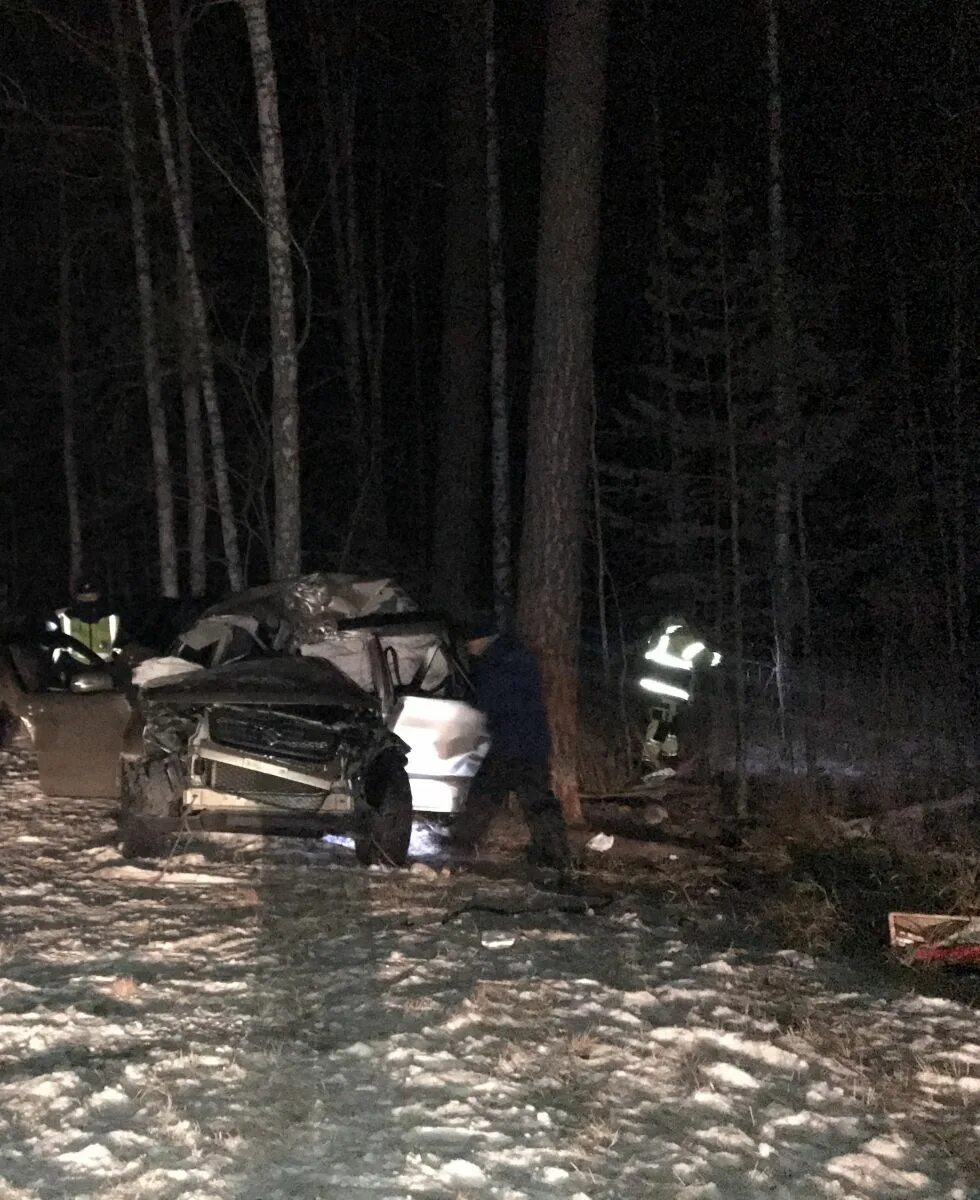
column 205, row 357
column 782, row 384
column 197, row 488
column 561, row 382
column 282, row 320
column 152, row 373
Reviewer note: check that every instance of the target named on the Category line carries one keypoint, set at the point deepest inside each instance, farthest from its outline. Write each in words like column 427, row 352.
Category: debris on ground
column 936, row 938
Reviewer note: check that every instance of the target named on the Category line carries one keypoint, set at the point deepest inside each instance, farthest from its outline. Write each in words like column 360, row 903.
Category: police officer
column 91, row 620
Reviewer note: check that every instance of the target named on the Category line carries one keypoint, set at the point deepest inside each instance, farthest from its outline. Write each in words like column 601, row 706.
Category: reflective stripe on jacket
column 99, row 636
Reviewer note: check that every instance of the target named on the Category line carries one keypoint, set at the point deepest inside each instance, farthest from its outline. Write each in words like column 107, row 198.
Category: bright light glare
column 692, row 651
column 425, row 843
column 444, row 737
column 715, row 659
column 434, row 795
column 335, row 839
column 672, row 629
column 664, row 689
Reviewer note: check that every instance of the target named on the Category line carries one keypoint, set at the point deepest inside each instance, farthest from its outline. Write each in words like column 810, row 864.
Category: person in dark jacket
column 507, row 687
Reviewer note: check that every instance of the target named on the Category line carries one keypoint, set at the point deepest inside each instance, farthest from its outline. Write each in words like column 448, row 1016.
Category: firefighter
column 90, row 620
column 674, row 659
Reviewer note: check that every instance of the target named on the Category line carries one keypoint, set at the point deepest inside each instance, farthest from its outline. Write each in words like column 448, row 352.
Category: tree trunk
column 285, row 400
column 205, row 358
column 337, row 113
column 561, row 382
column 463, row 382
column 741, row 797
column 600, row 551
column 152, row 373
column 959, row 454
column 958, row 498
column 806, row 633
column 676, row 506
column 782, row 387
column 908, row 481
column 362, row 310
column 503, row 582
column 946, row 551
column 68, row 447
column 197, row 488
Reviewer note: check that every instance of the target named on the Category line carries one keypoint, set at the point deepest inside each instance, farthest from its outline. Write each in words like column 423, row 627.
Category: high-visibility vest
column 675, row 653
column 99, row 636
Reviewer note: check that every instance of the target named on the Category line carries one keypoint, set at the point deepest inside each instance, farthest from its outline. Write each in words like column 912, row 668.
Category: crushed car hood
column 262, row 681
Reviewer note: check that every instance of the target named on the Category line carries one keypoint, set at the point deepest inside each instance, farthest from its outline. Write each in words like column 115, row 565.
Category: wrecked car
column 327, row 703
column 281, row 745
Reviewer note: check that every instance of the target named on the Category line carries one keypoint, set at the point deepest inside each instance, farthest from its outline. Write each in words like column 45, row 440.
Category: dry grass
column 599, row 1135
column 903, row 1091
column 8, row 951
column 515, row 1058
column 488, row 993
column 416, row 1004
column 124, row 988
column 583, row 1045
column 688, row 1063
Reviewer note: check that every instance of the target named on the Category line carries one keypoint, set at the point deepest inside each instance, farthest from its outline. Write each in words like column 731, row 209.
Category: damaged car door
column 61, row 700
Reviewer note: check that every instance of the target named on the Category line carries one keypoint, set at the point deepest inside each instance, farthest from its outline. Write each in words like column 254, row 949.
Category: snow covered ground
column 267, row 1020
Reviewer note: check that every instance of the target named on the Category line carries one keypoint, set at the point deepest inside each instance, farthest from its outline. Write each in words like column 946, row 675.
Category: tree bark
column 561, row 382
column 197, row 488
column 741, row 797
column 958, row 498
column 152, row 373
column 782, row 387
column 463, row 381
column 68, row 445
column 503, row 581
column 282, row 319
column 205, row 357
column 363, row 300
column 676, row 506
column 337, row 113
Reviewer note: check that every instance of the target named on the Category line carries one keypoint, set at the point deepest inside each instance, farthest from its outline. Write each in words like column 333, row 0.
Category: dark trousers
column 498, row 776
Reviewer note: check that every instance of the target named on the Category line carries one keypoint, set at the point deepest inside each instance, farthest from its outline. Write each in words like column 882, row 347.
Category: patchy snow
column 263, row 1020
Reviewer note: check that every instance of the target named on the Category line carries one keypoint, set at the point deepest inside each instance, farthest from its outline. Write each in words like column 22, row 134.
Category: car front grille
column 290, row 737
column 225, row 777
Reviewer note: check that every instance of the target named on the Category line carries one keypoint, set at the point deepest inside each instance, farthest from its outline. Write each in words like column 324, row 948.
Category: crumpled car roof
column 324, row 615
column 312, row 606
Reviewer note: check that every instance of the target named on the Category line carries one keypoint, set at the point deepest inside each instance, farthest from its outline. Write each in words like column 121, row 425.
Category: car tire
column 150, row 801
column 384, row 825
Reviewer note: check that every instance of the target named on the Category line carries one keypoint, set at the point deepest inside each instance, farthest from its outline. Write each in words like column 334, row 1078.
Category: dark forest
column 753, row 400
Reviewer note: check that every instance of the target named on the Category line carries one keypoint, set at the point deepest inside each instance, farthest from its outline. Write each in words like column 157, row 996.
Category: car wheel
column 384, row 827
column 150, row 800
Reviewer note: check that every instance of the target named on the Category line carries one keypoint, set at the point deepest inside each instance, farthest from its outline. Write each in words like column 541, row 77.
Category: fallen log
column 910, row 818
